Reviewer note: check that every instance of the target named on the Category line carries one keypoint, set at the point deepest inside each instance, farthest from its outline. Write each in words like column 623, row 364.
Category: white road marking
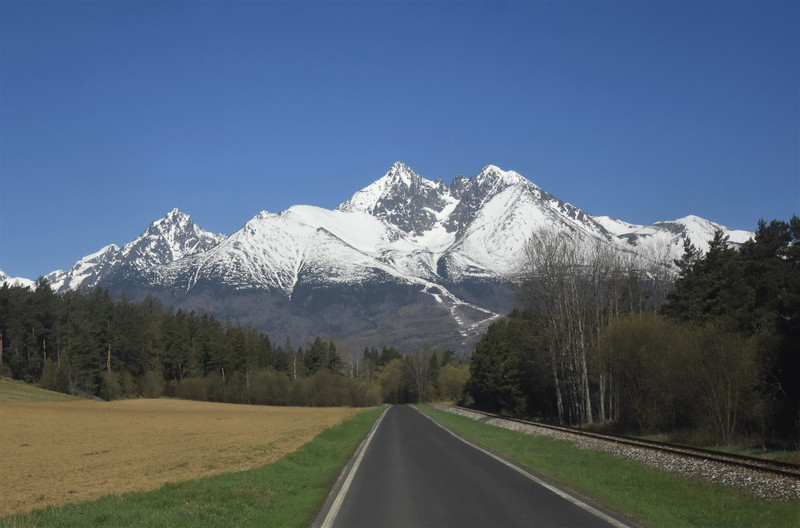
column 577, row 502
column 346, row 486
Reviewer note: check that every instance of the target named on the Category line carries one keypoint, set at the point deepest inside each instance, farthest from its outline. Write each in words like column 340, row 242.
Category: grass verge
column 646, row 495
column 14, row 391
column 285, row 493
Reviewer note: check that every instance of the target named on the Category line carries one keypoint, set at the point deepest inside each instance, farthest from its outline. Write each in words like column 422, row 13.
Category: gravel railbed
column 759, row 483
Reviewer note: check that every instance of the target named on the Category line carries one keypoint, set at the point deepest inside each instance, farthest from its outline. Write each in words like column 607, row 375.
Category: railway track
column 782, row 469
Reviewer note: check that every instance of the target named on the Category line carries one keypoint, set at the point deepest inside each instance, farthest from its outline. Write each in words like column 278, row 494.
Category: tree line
column 712, row 353
column 93, row 345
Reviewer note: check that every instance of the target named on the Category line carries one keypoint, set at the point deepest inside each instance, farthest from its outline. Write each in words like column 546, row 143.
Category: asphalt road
column 414, row 473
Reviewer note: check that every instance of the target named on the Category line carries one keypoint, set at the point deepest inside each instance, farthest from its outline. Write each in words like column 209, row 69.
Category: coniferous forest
column 92, row 345
column 711, row 355
column 712, row 358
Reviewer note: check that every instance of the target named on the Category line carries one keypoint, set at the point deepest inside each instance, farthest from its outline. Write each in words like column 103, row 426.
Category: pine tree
column 495, row 372
column 711, row 287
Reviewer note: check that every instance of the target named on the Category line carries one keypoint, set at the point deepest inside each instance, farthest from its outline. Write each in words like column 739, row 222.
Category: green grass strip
column 646, row 495
column 19, row 391
column 286, row 493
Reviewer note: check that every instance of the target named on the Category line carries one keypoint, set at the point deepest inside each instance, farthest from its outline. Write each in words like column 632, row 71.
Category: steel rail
column 753, row 463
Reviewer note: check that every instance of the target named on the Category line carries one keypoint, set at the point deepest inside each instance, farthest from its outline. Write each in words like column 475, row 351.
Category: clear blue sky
column 113, row 113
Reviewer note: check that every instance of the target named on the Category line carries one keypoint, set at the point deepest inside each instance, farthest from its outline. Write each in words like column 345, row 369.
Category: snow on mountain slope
column 393, row 251
column 309, row 246
column 701, row 231
column 275, row 251
column 614, row 226
column 405, row 256
column 401, row 228
column 472, row 193
column 403, row 198
column 87, row 271
column 358, row 229
column 384, row 252
column 670, row 234
column 437, row 232
column 166, row 240
column 494, row 242
column 16, row 281
column 402, row 239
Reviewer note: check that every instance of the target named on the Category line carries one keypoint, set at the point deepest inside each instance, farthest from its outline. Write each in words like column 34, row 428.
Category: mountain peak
column 473, row 193
column 398, row 167
column 490, row 169
column 170, row 238
column 495, row 174
column 176, row 216
column 405, row 258
column 16, row 281
column 401, row 174
column 403, row 198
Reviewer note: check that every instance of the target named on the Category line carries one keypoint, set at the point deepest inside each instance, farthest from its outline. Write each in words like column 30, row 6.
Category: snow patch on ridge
column 402, row 228
column 16, row 281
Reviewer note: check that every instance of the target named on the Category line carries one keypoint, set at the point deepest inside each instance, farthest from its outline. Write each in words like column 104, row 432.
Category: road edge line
column 337, row 503
column 561, row 493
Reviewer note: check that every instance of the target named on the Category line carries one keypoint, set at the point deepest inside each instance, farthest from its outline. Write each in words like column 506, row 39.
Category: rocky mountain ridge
column 405, row 258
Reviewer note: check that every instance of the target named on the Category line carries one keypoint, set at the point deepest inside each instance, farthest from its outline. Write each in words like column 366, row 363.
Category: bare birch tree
column 555, row 275
column 580, row 286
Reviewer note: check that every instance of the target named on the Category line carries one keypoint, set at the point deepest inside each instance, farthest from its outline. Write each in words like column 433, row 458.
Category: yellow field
column 60, row 452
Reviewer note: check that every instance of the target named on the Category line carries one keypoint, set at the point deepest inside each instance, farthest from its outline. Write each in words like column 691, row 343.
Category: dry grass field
column 55, row 452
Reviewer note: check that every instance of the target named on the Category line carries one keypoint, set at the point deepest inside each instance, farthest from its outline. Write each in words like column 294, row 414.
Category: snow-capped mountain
column 276, row 251
column 402, row 228
column 475, row 228
column 404, row 260
column 168, row 239
column 403, row 199
column 672, row 233
column 15, row 281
